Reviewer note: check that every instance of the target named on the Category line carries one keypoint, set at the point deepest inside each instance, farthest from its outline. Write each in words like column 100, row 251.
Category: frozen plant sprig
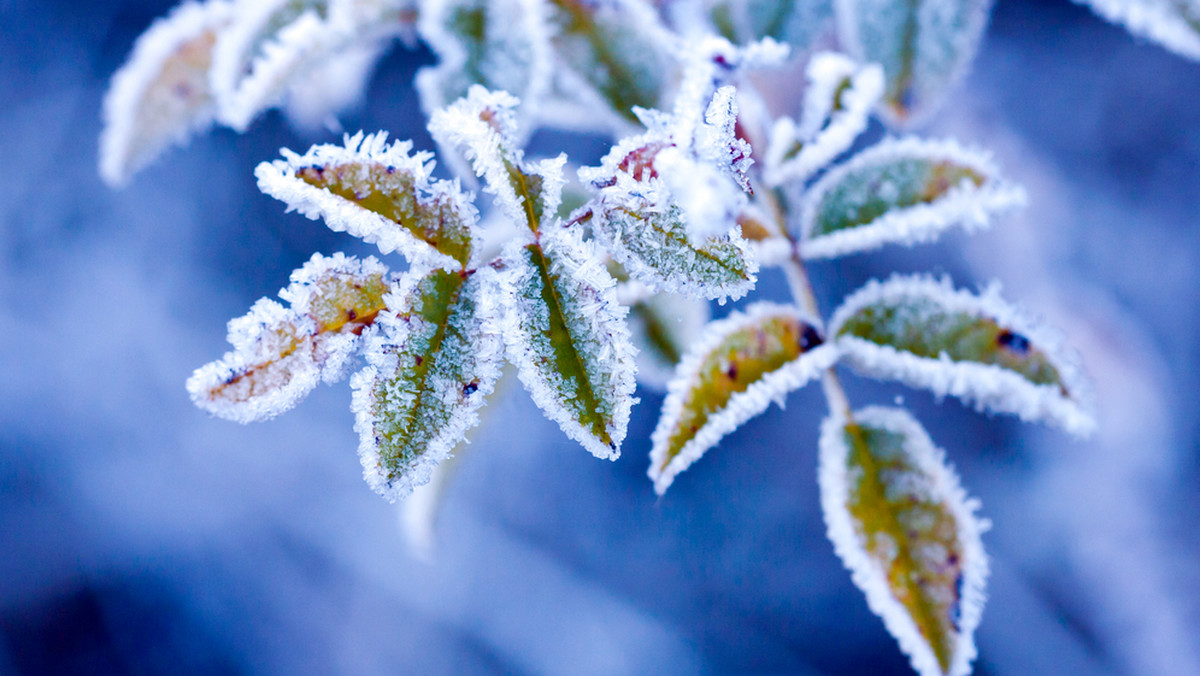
column 585, row 300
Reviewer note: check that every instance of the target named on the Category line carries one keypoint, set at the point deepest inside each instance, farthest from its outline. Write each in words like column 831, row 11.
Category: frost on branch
column 280, row 354
column 483, row 127
column 924, row 46
column 663, row 325
column 614, row 53
column 1174, row 24
column 161, row 95
column 431, row 366
column 502, row 45
column 924, row 333
column 908, row 534
column 730, row 374
column 902, row 192
column 837, row 105
column 380, row 193
column 668, row 201
column 567, row 335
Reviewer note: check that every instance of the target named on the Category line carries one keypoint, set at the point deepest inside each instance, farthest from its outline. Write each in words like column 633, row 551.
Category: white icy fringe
column 742, row 406
column 682, row 318
column 124, row 127
column 967, row 205
column 596, row 322
column 867, row 574
column 988, row 386
column 829, row 123
column 486, row 360
column 1162, row 21
column 316, row 358
column 520, row 20
column 278, row 179
column 483, row 126
column 334, row 84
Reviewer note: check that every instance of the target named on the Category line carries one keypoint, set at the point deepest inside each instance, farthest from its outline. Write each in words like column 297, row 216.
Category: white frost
column 278, row 179
column 943, row 486
column 1166, row 22
column 830, row 121
column 742, row 406
column 964, row 205
column 130, row 139
column 988, row 386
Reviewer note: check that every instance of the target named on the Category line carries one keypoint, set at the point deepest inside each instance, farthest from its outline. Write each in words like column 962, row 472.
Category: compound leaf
column 924, row 46
column 731, row 374
column 924, row 333
column 568, row 337
column 380, row 193
column 430, row 368
column 161, row 95
column 908, row 534
column 280, row 354
column 902, row 192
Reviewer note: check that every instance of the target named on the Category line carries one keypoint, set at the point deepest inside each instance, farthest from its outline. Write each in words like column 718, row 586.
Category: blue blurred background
column 138, row 536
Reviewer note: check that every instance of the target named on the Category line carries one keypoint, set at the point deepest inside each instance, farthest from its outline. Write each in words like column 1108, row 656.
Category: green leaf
column 902, row 192
column 280, row 354
column 799, row 23
column 924, row 46
column 926, row 334
column 732, row 373
column 432, row 366
column 663, row 325
column 502, row 45
column 908, row 533
column 655, row 248
column 568, row 337
column 617, row 47
column 380, row 193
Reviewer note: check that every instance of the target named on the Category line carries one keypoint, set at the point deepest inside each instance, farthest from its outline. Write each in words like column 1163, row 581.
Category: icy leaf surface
column 926, row 334
column 161, row 95
column 567, row 334
column 381, row 193
column 799, row 23
column 663, row 325
column 730, row 374
column 431, row 367
column 908, row 534
column 502, row 45
column 280, row 354
column 924, row 46
column 1174, row 24
column 617, row 49
column 904, row 192
column 483, row 127
column 837, row 104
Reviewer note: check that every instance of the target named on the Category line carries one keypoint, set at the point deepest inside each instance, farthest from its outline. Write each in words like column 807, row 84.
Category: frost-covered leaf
column 502, row 45
column 663, row 325
column 799, row 23
column 730, row 374
column 1174, row 24
column 908, row 533
column 332, row 85
column 613, row 52
column 924, row 333
column 924, row 46
column 161, row 95
column 568, row 337
column 483, row 127
column 380, row 193
column 280, row 354
column 837, row 104
column 902, row 192
column 431, row 366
